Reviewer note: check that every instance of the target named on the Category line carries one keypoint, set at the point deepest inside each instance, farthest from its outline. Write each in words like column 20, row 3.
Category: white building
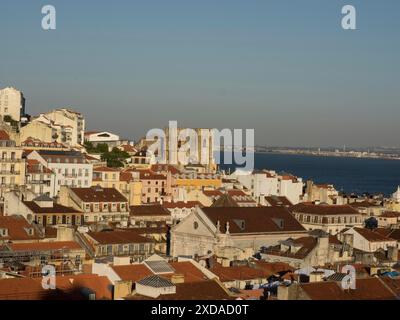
column 70, row 167
column 104, row 137
column 367, row 240
column 235, row 233
column 68, row 118
column 12, row 103
column 40, row 179
column 269, row 183
column 396, row 195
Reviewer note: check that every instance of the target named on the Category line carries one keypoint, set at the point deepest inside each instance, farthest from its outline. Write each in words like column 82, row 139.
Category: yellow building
column 38, row 130
column 197, row 181
column 12, row 171
column 126, row 183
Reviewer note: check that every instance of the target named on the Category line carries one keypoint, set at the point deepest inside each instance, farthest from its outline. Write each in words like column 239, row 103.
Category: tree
column 115, row 158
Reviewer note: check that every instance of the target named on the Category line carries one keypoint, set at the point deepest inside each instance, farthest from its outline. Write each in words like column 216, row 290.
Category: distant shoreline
column 330, row 155
column 325, row 154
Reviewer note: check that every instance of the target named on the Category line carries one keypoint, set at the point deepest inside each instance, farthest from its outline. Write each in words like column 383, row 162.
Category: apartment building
column 235, row 233
column 126, row 182
column 43, row 210
column 72, row 119
column 97, row 203
column 12, row 171
column 269, row 183
column 12, row 104
column 155, row 187
column 329, row 218
column 103, row 137
column 40, row 179
column 120, row 243
column 70, row 167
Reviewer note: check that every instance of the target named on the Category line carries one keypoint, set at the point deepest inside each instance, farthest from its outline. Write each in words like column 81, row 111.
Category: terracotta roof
column 225, row 200
column 4, row 135
column 390, row 233
column 17, row 227
column 133, row 272
column 278, row 201
column 34, row 166
column 232, row 273
column 127, row 148
column 165, row 168
column 390, row 214
column 148, row 210
column 212, row 193
column 255, row 219
column 136, row 272
column 204, row 290
column 99, row 194
column 45, row 246
column 150, row 175
column 190, row 272
column 126, row 176
column 68, row 287
column 118, row 237
column 323, row 209
column 372, row 236
column 364, row 204
column 72, row 157
column 56, row 208
column 181, row 204
column 105, row 169
column 304, row 245
column 366, row 289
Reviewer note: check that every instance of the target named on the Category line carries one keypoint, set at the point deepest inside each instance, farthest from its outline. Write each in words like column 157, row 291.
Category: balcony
column 8, row 172
column 10, row 160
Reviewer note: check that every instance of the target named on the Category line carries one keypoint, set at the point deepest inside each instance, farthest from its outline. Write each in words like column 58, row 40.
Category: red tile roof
column 181, row 204
column 105, row 169
column 133, row 272
column 17, row 227
column 56, row 208
column 323, row 209
column 366, row 289
column 34, row 166
column 69, row 287
column 372, row 236
column 149, row 210
column 278, row 201
column 45, row 246
column 199, row 291
column 4, row 135
column 99, row 194
column 256, row 219
column 118, row 237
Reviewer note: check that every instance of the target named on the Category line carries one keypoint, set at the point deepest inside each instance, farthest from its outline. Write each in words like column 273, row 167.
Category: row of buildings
column 143, row 230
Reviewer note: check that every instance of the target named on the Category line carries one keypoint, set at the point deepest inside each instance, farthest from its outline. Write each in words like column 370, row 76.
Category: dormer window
column 30, row 231
column 3, row 232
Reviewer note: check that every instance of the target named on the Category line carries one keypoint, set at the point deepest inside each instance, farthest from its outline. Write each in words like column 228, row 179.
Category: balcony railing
column 10, row 160
column 5, row 172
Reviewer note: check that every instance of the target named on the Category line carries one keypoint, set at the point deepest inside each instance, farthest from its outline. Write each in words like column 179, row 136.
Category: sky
column 285, row 68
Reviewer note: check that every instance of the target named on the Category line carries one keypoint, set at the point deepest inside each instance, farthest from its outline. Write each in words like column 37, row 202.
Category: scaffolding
column 36, row 259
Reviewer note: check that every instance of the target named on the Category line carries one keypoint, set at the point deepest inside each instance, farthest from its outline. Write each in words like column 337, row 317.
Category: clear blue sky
column 285, row 68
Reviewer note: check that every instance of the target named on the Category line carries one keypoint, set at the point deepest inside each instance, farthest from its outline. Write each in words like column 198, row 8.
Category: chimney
column 177, row 278
column 316, row 276
column 392, row 253
column 288, row 292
